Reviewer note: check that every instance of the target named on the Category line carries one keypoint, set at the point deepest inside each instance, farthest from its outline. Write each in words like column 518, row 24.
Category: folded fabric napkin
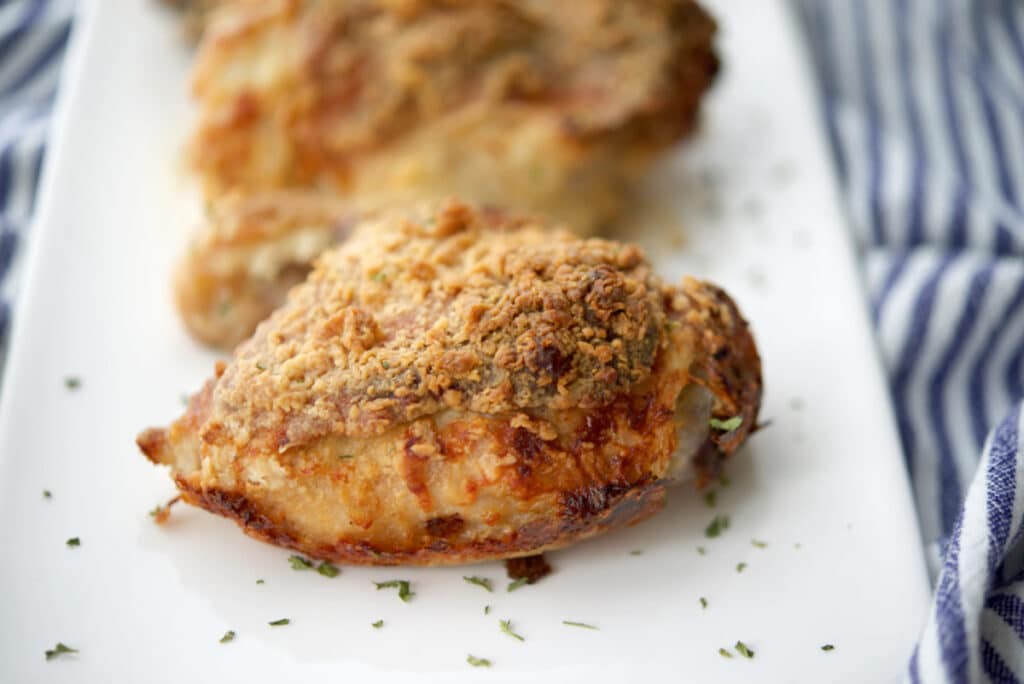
column 923, row 101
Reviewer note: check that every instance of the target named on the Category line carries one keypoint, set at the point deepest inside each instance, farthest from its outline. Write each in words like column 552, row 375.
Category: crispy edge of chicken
column 463, row 385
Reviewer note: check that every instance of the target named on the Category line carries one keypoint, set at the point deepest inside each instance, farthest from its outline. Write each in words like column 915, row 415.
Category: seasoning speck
column 743, row 650
column 47, row 494
column 378, row 624
column 487, row 610
column 636, row 552
column 717, row 525
column 327, row 570
column 709, row 498
column 828, row 647
column 479, row 581
column 740, row 567
column 478, row 662
column 758, row 544
column 259, row 581
column 74, row 541
column 228, row 636
column 512, row 586
column 703, row 602
column 506, row 627
column 72, row 383
column 727, row 425
column 59, row 649
column 584, row 625
column 724, row 653
column 300, row 563
column 402, row 585
column 701, row 550
column 280, row 623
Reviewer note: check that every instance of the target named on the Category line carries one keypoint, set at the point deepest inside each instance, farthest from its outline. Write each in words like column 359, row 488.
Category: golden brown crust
column 460, row 309
column 528, row 104
column 498, row 391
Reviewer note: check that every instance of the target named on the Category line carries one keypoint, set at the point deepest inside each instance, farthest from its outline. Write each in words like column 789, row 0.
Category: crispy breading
column 456, row 384
column 553, row 108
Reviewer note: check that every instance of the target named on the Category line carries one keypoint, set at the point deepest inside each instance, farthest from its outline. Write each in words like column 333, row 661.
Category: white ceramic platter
column 824, row 486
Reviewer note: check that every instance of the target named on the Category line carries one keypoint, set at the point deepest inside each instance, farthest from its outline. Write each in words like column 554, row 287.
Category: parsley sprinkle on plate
column 47, row 494
column 402, row 585
column 378, row 624
column 740, row 567
column 228, row 636
column 512, row 586
column 74, row 541
column 828, row 647
column 584, row 625
column 478, row 662
column 479, row 581
column 743, row 650
column 718, row 524
column 758, row 544
column 280, row 623
column 724, row 653
column 703, row 602
column 300, row 563
column 72, row 383
column 328, row 570
column 59, row 649
column 636, row 552
column 506, row 627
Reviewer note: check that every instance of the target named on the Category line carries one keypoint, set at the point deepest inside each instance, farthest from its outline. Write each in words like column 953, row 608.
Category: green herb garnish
column 385, row 364
column 727, row 425
column 47, row 494
column 724, row 653
column 636, row 552
column 401, row 585
column 709, row 497
column 228, row 636
column 487, row 610
column 506, row 627
column 701, row 550
column 260, row 365
column 345, row 457
column 828, row 647
column 300, row 563
column 59, row 649
column 379, row 276
column 74, row 541
column 758, row 544
column 743, row 650
column 72, row 383
column 378, row 624
column 584, row 625
column 280, row 623
column 327, row 570
column 717, row 525
column 512, row 586
column 478, row 662
column 259, row 581
column 703, row 602
column 479, row 581
column 740, row 567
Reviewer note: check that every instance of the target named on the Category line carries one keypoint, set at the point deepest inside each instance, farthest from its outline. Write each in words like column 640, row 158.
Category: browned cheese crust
column 455, row 385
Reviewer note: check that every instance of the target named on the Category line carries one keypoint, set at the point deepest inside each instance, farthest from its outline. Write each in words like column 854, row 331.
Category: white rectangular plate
column 823, row 486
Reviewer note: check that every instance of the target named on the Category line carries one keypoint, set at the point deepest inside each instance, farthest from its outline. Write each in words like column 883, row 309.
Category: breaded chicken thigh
column 554, row 108
column 453, row 385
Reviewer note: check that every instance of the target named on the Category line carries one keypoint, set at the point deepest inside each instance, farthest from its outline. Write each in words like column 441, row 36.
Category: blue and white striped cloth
column 33, row 35
column 924, row 105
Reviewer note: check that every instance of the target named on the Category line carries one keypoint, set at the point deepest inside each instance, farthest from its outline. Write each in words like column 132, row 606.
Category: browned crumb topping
column 530, row 568
column 454, row 308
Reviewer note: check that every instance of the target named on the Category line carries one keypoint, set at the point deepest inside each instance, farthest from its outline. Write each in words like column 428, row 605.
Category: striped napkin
column 923, row 101
column 924, row 106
